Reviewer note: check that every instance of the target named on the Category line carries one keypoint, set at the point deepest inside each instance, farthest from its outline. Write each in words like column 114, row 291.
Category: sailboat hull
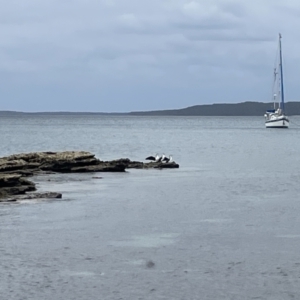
column 279, row 122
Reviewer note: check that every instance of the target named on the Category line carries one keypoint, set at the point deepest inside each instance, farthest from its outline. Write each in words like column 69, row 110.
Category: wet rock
column 32, row 196
column 102, row 167
column 14, row 184
column 11, row 165
column 160, row 165
column 64, row 162
column 149, row 165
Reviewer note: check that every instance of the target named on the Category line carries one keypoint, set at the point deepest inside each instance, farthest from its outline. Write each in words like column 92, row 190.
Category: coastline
column 248, row 108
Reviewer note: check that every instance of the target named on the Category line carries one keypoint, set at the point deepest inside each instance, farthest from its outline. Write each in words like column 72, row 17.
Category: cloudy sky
column 131, row 55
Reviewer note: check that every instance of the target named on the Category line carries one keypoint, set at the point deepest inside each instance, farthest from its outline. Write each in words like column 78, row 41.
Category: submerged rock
column 32, row 196
column 150, row 264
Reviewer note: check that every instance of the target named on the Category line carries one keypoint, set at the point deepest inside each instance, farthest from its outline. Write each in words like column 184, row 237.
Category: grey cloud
column 164, row 47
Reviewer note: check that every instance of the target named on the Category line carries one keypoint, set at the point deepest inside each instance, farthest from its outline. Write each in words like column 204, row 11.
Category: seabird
column 166, row 159
column 152, row 157
column 161, row 158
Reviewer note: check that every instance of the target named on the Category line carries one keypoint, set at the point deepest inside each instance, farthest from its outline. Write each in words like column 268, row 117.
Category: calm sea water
column 225, row 225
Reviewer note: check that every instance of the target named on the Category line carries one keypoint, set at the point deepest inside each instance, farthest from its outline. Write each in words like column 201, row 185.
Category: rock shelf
column 15, row 168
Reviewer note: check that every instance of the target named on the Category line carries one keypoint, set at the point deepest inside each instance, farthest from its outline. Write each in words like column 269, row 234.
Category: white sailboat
column 276, row 117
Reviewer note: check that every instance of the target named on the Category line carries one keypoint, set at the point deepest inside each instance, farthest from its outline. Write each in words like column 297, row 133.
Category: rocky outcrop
column 14, row 184
column 70, row 162
column 149, row 165
column 14, row 168
column 64, row 162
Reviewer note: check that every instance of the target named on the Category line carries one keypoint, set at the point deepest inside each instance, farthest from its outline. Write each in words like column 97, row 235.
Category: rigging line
column 276, row 57
column 275, row 77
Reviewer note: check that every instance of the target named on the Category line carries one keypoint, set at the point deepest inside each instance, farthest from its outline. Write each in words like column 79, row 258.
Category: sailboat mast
column 281, row 75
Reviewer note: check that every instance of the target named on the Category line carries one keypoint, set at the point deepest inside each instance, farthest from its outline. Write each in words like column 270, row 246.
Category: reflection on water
column 150, row 240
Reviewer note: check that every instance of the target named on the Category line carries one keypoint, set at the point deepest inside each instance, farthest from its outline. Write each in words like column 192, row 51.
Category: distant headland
column 219, row 109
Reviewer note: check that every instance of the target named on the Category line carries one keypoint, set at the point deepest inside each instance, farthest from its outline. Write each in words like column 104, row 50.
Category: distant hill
column 222, row 109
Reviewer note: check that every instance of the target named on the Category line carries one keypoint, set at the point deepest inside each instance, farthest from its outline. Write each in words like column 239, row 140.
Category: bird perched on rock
column 167, row 159
column 160, row 159
column 154, row 158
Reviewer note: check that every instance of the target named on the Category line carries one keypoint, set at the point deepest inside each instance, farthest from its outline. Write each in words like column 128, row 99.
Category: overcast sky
column 131, row 55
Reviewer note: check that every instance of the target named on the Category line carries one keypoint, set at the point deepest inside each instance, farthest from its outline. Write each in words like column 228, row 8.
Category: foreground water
column 223, row 226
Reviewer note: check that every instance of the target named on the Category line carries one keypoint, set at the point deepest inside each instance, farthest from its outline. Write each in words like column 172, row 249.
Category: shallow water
column 224, row 225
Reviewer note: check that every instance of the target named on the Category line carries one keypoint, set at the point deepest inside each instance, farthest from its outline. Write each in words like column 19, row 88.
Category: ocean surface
column 225, row 225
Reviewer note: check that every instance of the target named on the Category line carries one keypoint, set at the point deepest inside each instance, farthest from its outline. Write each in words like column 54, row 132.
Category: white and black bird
column 160, row 159
column 154, row 158
column 167, row 159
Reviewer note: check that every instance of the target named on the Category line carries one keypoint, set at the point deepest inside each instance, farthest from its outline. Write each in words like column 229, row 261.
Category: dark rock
column 31, row 196
column 24, row 173
column 102, row 167
column 47, row 161
column 150, row 165
column 14, row 184
column 171, row 165
column 136, row 165
column 66, row 166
